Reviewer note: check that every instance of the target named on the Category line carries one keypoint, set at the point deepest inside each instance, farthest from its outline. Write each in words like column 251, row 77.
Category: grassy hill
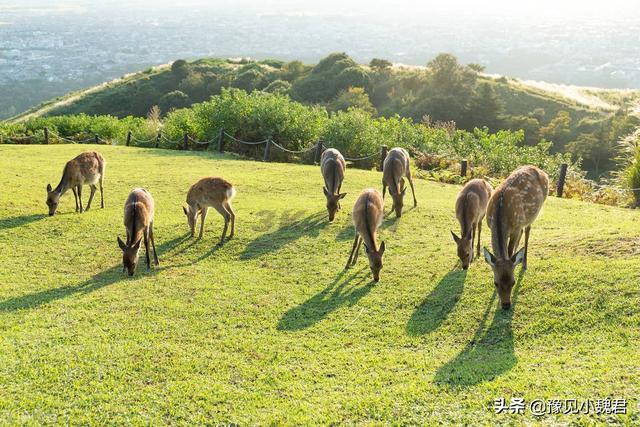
column 269, row 329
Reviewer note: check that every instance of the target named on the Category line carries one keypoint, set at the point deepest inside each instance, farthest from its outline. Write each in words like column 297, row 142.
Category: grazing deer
column 395, row 167
column 87, row 168
column 210, row 192
column 471, row 207
column 332, row 166
column 513, row 207
column 138, row 221
column 368, row 213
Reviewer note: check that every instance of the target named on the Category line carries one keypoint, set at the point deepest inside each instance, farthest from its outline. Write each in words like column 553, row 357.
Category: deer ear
column 136, row 245
column 489, row 257
column 121, row 244
column 342, row 195
column 324, row 190
column 455, row 237
column 49, row 187
column 382, row 248
column 186, row 211
column 517, row 257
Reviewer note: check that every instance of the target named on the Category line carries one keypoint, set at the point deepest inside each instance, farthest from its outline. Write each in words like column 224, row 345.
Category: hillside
column 269, row 329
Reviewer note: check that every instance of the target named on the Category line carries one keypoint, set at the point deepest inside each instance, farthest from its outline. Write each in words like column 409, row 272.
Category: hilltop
column 269, row 329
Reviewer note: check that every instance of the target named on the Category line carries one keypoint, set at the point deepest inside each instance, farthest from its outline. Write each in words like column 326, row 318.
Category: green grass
column 270, row 329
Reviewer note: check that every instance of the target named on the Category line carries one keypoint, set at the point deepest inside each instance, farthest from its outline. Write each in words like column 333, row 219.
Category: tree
column 595, row 153
column 558, row 130
column 249, row 80
column 484, row 109
column 353, row 77
column 354, row 97
column 174, row 100
column 292, row 71
column 477, row 67
column 278, row 86
column 379, row 64
column 180, row 69
column 530, row 126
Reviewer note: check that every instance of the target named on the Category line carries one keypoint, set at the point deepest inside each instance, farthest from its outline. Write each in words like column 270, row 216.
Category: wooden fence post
column 221, row 141
column 318, row 152
column 158, row 138
column 383, row 155
column 267, row 151
column 561, row 179
column 186, row 141
column 46, row 135
column 128, row 138
column 463, row 167
column 96, row 138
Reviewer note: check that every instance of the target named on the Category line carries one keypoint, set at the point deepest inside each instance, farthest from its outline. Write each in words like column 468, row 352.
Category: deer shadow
column 19, row 221
column 98, row 281
column 339, row 293
column 290, row 229
column 487, row 355
column 437, row 306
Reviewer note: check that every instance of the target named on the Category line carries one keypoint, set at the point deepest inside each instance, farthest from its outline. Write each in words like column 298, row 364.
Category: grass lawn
column 269, row 329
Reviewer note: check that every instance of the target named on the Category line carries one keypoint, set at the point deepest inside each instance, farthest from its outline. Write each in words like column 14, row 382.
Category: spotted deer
column 138, row 221
column 332, row 166
column 368, row 213
column 396, row 167
column 87, row 168
column 512, row 208
column 471, row 207
column 210, row 192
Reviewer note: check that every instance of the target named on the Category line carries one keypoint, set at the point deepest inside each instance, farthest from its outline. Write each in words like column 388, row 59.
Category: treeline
column 296, row 126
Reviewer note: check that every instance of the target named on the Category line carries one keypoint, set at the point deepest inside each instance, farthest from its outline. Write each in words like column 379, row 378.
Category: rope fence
column 316, row 149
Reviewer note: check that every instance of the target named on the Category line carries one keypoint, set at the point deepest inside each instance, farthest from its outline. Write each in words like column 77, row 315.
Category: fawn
column 512, row 208
column 138, row 221
column 332, row 166
column 210, row 192
column 368, row 213
column 471, row 207
column 87, row 168
column 395, row 167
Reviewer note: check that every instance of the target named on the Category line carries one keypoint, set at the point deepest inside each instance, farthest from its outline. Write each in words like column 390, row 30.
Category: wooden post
column 463, row 168
column 96, row 138
column 318, row 152
column 46, row 135
column 561, row 179
column 158, row 139
column 186, row 141
column 128, row 138
column 221, row 141
column 267, row 151
column 383, row 155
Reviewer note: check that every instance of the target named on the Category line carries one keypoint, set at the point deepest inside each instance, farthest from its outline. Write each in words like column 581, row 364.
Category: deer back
column 368, row 213
column 210, row 191
column 471, row 204
column 138, row 213
column 332, row 166
column 395, row 167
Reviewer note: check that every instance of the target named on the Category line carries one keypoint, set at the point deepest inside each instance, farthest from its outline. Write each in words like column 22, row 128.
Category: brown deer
column 471, row 207
column 368, row 213
column 395, row 167
column 332, row 166
column 210, row 192
column 138, row 221
column 87, row 168
column 513, row 207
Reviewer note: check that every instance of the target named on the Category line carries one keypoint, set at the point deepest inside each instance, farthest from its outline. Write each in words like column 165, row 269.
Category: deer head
column 129, row 255
column 191, row 214
column 465, row 247
column 333, row 202
column 503, row 274
column 397, row 196
column 375, row 260
column 53, row 198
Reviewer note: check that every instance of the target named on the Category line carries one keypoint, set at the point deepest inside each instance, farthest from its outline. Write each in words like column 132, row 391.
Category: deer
column 138, row 221
column 332, row 166
column 368, row 213
column 394, row 169
column 471, row 207
column 209, row 192
column 512, row 208
column 87, row 168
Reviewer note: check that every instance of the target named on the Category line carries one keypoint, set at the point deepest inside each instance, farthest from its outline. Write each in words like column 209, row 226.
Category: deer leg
column 203, row 216
column 80, row 197
column 75, row 196
column 479, row 233
column 146, row 247
column 355, row 256
column 153, row 244
column 526, row 246
column 101, row 193
column 226, row 217
column 233, row 219
column 339, row 187
column 473, row 238
column 413, row 191
column 353, row 249
column 384, row 188
column 93, row 192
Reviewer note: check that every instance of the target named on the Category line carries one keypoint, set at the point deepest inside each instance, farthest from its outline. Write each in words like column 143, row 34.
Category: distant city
column 59, row 49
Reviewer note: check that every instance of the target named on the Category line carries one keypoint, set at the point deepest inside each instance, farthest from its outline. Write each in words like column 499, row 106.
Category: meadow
column 270, row 329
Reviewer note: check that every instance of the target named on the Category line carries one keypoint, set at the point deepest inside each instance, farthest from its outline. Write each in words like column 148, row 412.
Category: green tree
column 558, row 130
column 484, row 109
column 174, row 100
column 278, row 86
column 379, row 64
column 477, row 67
column 596, row 153
column 354, row 97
